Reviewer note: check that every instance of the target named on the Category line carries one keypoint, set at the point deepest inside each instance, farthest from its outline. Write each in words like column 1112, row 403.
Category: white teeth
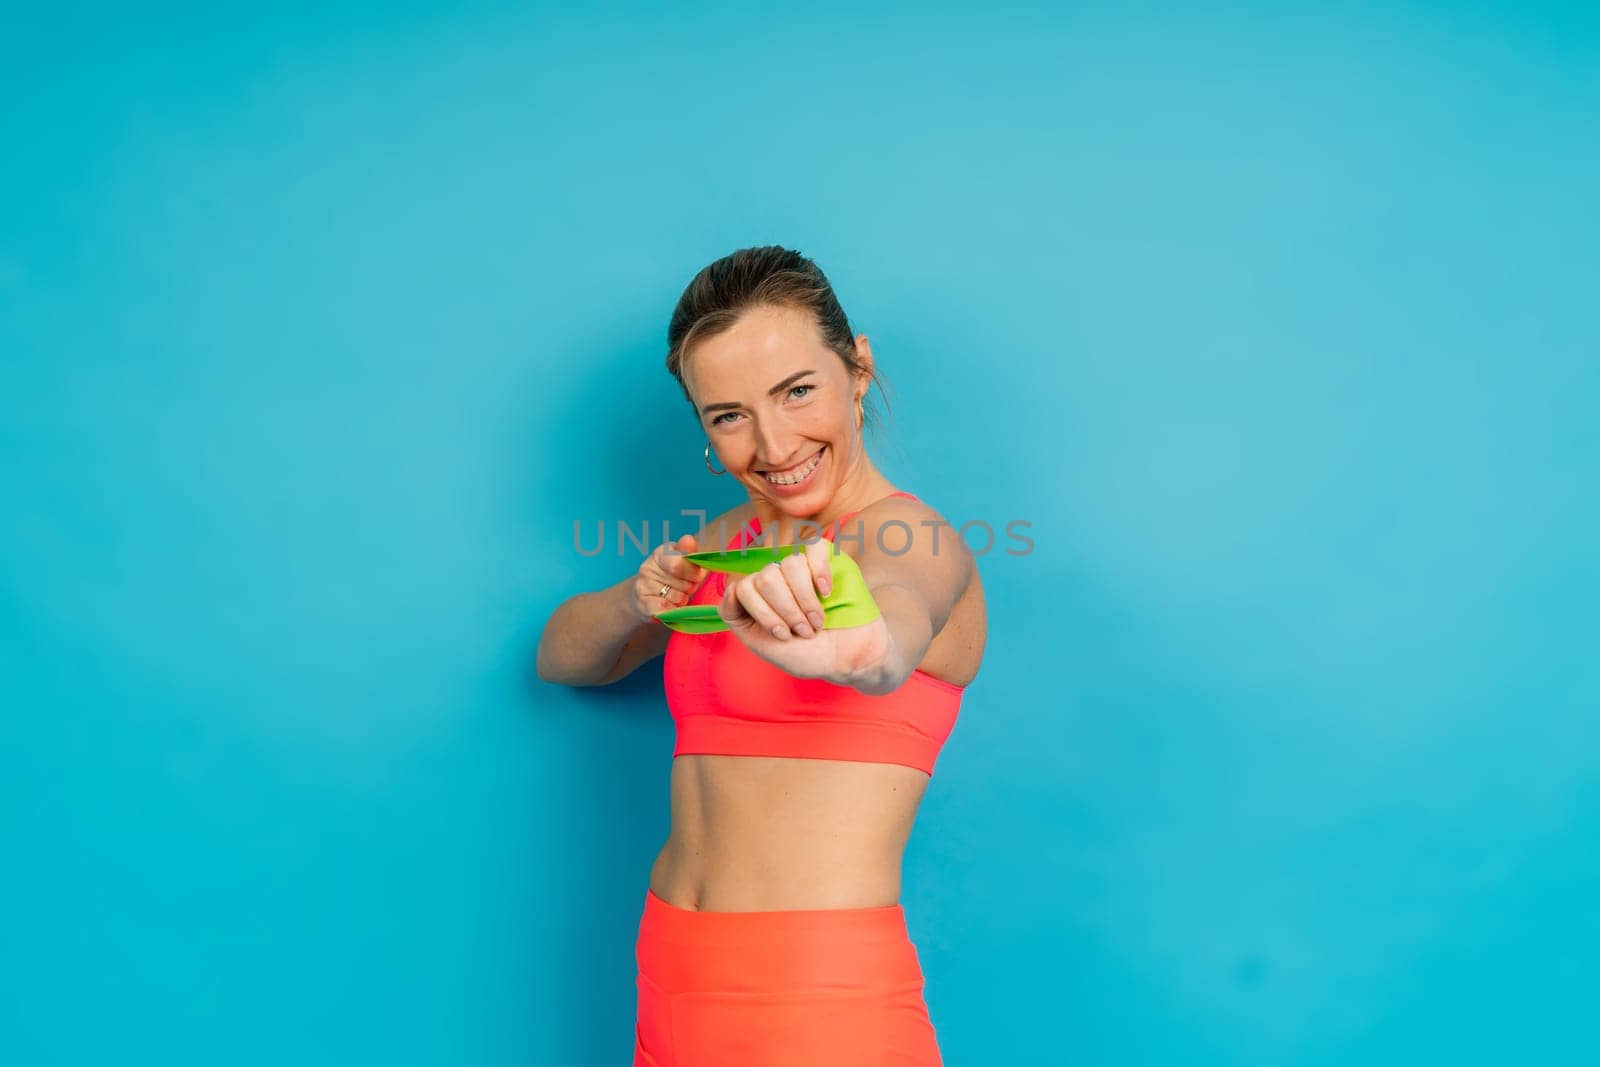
column 799, row 475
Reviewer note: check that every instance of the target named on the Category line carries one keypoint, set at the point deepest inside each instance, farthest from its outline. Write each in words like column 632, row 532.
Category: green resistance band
column 850, row 603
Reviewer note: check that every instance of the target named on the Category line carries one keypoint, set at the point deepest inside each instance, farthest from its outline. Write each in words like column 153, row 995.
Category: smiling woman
column 806, row 736
column 782, row 440
column 777, row 381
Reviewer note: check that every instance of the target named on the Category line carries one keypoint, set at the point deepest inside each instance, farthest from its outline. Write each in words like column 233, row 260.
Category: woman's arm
column 916, row 587
column 596, row 638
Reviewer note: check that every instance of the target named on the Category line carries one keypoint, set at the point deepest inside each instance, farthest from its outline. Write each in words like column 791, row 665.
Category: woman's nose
column 774, row 446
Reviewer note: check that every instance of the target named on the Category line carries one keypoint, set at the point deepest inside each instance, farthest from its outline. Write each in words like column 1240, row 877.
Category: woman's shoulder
column 902, row 525
column 906, row 508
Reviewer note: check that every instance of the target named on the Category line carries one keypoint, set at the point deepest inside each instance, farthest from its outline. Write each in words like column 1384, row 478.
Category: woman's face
column 776, row 402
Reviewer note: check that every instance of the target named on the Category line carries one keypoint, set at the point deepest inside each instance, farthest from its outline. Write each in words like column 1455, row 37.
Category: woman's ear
column 863, row 351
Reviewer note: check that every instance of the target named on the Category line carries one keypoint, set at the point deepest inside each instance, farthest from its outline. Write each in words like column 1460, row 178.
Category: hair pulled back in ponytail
column 766, row 276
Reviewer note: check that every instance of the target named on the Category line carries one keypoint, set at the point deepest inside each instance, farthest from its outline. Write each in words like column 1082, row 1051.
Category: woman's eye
column 718, row 420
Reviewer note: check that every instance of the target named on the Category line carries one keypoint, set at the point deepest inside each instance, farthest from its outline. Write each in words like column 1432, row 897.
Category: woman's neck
column 780, row 528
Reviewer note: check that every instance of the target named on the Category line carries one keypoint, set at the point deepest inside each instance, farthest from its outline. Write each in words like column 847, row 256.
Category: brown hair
column 760, row 277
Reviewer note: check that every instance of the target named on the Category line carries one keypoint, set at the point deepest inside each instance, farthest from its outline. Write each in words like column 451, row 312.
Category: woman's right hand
column 664, row 567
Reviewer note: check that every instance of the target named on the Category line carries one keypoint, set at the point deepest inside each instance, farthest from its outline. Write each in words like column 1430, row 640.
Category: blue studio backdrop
column 320, row 329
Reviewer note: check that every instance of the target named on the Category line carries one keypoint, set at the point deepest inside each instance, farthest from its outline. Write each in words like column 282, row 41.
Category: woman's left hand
column 777, row 614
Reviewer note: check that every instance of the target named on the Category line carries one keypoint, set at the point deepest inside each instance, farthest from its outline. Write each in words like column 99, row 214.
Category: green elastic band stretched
column 849, row 604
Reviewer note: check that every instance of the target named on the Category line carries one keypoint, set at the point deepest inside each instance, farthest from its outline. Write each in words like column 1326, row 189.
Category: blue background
column 319, row 330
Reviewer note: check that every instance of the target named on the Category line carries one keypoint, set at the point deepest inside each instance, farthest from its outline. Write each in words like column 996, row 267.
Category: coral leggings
column 837, row 987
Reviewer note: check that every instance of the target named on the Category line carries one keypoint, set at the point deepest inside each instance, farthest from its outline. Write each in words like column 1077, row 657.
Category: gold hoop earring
column 708, row 462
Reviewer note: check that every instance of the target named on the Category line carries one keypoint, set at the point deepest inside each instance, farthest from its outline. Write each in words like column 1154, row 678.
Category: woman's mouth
column 797, row 476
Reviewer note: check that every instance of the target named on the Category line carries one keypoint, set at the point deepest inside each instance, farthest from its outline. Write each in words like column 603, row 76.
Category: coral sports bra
column 726, row 700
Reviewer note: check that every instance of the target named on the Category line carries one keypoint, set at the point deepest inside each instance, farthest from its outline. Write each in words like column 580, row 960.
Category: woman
column 772, row 933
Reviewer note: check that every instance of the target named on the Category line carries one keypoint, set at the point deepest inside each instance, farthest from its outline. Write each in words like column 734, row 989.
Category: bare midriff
column 766, row 833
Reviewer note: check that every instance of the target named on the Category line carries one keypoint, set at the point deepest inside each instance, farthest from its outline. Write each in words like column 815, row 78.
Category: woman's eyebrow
column 776, row 389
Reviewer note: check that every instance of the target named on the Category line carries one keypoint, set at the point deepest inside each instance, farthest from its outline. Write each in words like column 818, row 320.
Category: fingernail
column 781, row 633
column 803, row 630
column 816, row 619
